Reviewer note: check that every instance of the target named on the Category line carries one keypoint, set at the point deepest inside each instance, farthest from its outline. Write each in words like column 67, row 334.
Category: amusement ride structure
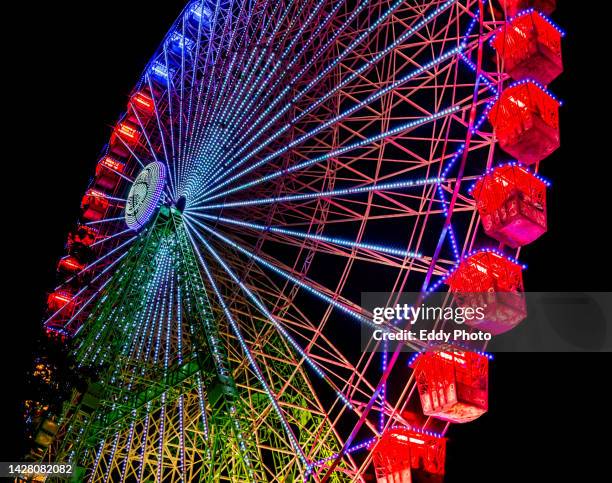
column 276, row 160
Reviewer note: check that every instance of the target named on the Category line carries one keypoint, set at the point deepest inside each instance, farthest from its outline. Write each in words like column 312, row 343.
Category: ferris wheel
column 276, row 160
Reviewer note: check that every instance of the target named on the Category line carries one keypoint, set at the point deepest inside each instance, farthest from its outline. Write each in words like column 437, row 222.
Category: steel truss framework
column 323, row 149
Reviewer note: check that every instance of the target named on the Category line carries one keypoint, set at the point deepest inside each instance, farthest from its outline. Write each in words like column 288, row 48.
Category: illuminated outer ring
column 139, row 208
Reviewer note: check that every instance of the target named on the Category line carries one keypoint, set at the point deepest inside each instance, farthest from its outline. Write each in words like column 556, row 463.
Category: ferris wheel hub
column 145, row 194
column 180, row 203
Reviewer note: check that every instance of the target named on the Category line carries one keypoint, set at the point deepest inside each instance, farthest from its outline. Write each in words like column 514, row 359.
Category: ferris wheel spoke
column 199, row 5
column 120, row 174
column 238, row 94
column 104, row 220
column 144, row 132
column 107, row 254
column 104, row 256
column 307, row 236
column 172, row 175
column 256, row 88
column 274, row 321
column 83, row 306
column 359, row 71
column 131, row 151
column 115, row 198
column 311, row 287
column 105, row 239
column 173, row 157
column 340, row 117
column 204, row 100
column 401, row 129
column 200, row 139
column 343, row 192
column 247, row 352
column 183, row 71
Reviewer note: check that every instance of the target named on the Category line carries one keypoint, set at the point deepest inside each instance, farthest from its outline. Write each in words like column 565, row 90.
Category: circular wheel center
column 145, row 195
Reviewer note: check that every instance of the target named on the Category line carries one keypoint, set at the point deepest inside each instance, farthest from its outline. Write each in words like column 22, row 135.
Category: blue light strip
column 143, row 444
column 202, row 404
column 97, row 460
column 539, row 86
column 518, row 164
column 113, row 198
column 104, row 257
column 416, row 355
column 181, row 91
column 131, row 151
column 352, row 449
column 461, row 149
column 307, row 236
column 528, row 11
column 111, row 458
column 171, row 169
column 161, row 419
column 105, row 220
column 151, row 149
column 383, row 387
column 129, row 447
column 102, row 240
column 327, row 194
column 169, row 106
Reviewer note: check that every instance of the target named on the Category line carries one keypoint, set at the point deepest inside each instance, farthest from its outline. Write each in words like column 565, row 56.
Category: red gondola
column 128, row 132
column 512, row 204
column 143, row 104
column 94, row 205
column 404, row 455
column 452, row 384
column 107, row 172
column 526, row 122
column 69, row 265
column 60, row 299
column 494, row 283
column 530, row 47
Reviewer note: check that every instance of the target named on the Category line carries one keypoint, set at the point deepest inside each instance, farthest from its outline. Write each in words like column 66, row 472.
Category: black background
column 70, row 65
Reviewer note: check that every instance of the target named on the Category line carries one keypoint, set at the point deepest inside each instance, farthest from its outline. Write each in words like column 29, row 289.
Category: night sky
column 70, row 67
